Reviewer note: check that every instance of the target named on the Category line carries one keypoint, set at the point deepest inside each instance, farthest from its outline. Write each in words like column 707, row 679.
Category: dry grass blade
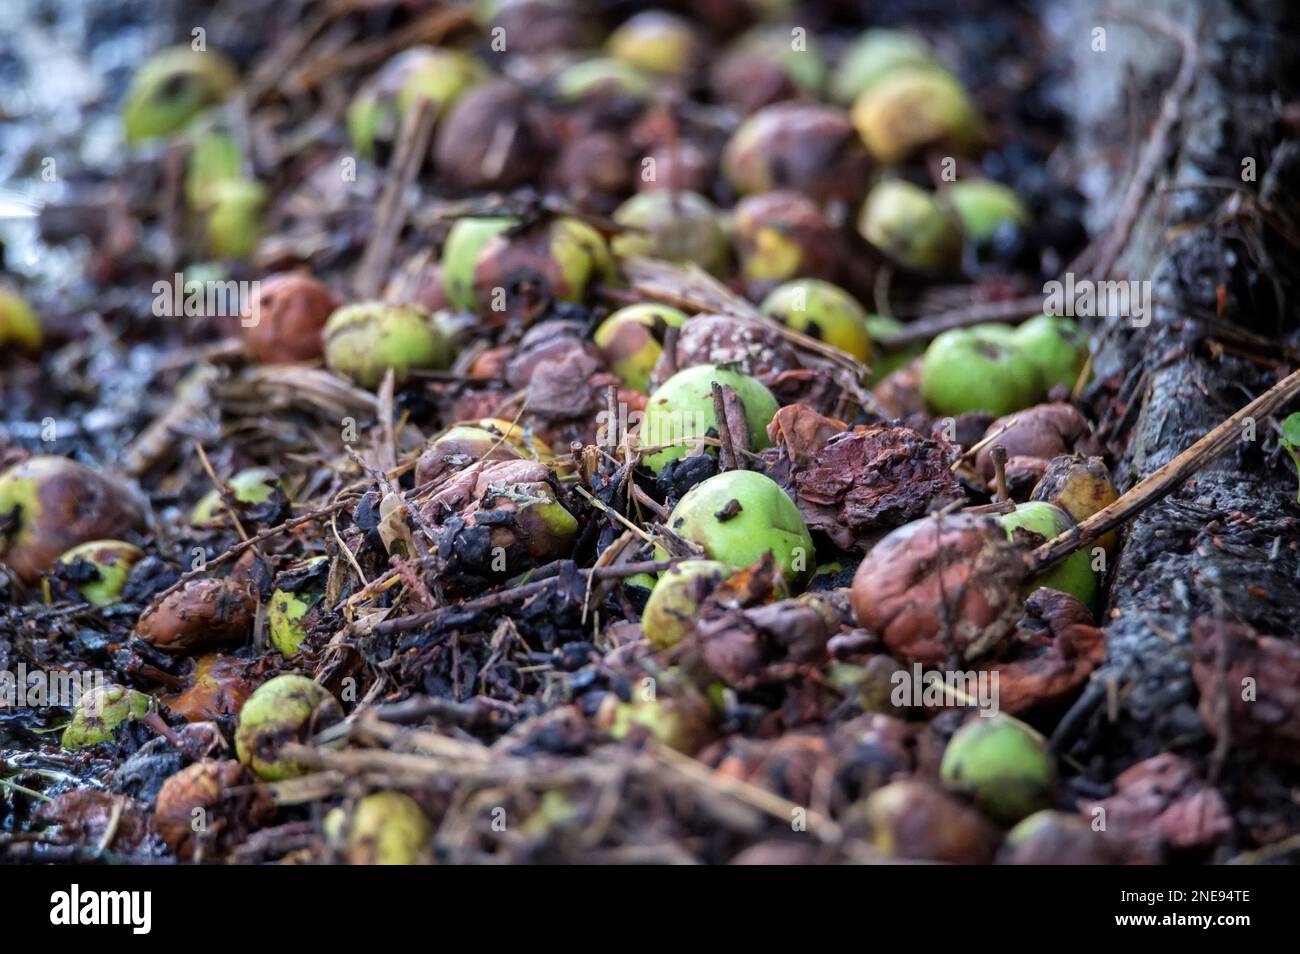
column 285, row 386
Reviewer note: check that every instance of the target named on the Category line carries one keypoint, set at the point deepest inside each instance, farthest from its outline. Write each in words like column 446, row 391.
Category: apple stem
column 999, row 455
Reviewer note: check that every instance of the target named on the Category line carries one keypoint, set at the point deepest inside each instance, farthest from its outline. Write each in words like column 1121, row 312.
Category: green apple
column 676, row 226
column 979, row 369
column 582, row 254
column 682, row 407
column 1073, row 575
column 385, row 828
column 287, row 708
column 111, row 560
column 20, row 327
column 460, row 254
column 681, row 720
column 235, row 217
column 872, row 57
column 561, row 256
column 1057, row 346
column 982, row 205
column 214, row 157
column 363, row 341
column 915, row 107
column 641, row 583
column 656, row 42
column 286, row 613
column 822, row 311
column 438, row 75
column 911, row 226
column 1003, row 765
column 101, row 712
column 253, row 485
column 675, row 600
column 631, row 339
column 603, row 76
column 49, row 504
column 739, row 516
column 171, row 88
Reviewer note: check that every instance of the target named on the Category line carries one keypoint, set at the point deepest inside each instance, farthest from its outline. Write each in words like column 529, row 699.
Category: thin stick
column 999, row 455
column 412, row 147
column 253, row 541
column 1159, row 483
column 500, row 598
column 221, row 490
column 727, row 457
column 983, row 442
column 609, row 511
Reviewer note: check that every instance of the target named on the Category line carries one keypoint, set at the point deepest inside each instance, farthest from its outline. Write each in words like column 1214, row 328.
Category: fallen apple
column 1003, row 765
column 740, row 516
column 682, row 408
column 631, row 339
column 287, row 708
column 822, row 311
column 675, row 600
column 979, row 369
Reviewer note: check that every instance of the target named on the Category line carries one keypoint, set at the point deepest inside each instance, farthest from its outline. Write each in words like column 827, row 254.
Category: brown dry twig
column 1162, row 481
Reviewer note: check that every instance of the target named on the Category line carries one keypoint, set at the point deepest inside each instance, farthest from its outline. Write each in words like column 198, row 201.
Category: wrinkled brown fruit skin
column 789, row 765
column 1023, row 475
column 921, row 823
column 1164, row 802
column 451, row 454
column 753, row 348
column 202, row 786
column 871, row 477
column 472, row 491
column 686, row 168
column 1059, row 649
column 899, row 393
column 777, row 853
column 77, row 504
column 1044, row 431
column 291, row 309
column 1062, row 839
column 219, row 686
column 467, row 136
column 84, row 816
column 200, row 615
column 594, row 171
column 539, row 26
column 822, row 250
column 961, row 562
column 520, row 263
column 812, row 148
column 750, row 81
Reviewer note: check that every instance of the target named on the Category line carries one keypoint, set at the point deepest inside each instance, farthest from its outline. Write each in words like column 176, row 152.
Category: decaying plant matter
column 639, row 431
